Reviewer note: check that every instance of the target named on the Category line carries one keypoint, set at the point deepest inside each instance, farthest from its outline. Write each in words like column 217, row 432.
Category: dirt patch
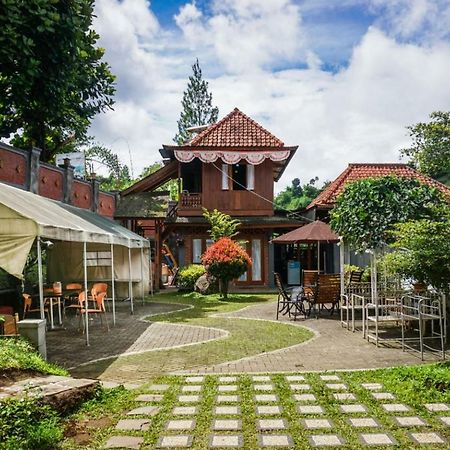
column 82, row 432
column 10, row 376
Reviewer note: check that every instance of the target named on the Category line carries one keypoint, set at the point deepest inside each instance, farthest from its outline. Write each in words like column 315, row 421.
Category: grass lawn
column 246, row 338
column 411, row 386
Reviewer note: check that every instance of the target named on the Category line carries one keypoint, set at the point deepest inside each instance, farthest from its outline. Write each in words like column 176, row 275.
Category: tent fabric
column 25, row 216
column 313, row 232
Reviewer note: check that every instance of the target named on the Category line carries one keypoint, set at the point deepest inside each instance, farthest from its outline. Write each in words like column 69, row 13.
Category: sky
column 342, row 79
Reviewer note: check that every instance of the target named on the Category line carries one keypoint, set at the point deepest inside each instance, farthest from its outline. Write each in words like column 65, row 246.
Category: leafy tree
column 52, row 77
column 226, row 260
column 222, row 225
column 197, row 106
column 297, row 196
column 367, row 209
column 423, row 250
column 430, row 150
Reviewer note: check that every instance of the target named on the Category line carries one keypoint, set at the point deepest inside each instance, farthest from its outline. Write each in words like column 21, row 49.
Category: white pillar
column 341, row 264
column 86, row 303
column 318, row 256
column 142, row 275
column 130, row 284
column 113, row 287
column 41, row 278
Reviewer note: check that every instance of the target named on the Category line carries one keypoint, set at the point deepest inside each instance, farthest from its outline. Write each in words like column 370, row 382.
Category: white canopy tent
column 26, row 217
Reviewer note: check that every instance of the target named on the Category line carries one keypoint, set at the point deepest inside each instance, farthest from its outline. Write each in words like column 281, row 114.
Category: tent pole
column 113, row 287
column 142, row 276
column 318, row 256
column 41, row 278
column 130, row 284
column 86, row 302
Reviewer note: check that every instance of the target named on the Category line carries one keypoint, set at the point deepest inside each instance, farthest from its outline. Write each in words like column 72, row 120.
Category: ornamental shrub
column 226, row 260
column 187, row 277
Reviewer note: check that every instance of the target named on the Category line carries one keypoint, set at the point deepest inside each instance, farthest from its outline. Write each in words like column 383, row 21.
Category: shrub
column 27, row 424
column 226, row 260
column 187, row 276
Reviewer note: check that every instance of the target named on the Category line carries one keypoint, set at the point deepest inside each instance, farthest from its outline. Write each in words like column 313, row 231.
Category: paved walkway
column 333, row 348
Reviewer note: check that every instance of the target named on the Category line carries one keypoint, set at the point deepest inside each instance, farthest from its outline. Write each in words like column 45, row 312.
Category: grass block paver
column 275, row 440
column 377, row 439
column 412, row 421
column 227, row 388
column 300, row 387
column 189, row 398
column 326, row 440
column 227, row 425
column 266, row 398
column 193, row 388
column 131, row 442
column 427, row 438
column 178, row 425
column 304, row 397
column 383, row 396
column 437, row 407
column 158, row 387
column 175, row 441
column 198, row 379
column 144, row 410
column 185, row 410
column 131, row 386
column 228, row 398
column 395, row 407
column 227, row 379
column 269, row 410
column 342, row 396
column 445, row 420
column 314, row 424
column 263, row 387
column 329, row 378
column 353, row 408
column 372, row 386
column 227, row 410
column 133, row 424
column 225, row 441
column 336, row 386
column 260, row 378
column 363, row 422
column 271, row 424
column 149, row 398
column 295, row 378
column 310, row 409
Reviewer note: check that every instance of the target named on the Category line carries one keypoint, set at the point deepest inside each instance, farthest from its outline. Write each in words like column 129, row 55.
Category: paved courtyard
column 319, row 410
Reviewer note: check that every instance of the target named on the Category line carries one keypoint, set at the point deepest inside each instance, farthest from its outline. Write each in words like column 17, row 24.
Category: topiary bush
column 187, row 276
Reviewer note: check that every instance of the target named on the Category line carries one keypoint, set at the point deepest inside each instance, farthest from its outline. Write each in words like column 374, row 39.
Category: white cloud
column 357, row 114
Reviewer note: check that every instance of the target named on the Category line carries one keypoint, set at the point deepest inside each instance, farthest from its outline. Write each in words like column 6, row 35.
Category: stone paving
column 318, row 424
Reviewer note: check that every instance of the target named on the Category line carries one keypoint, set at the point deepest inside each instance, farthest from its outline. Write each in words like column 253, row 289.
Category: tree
column 430, row 150
column 52, row 77
column 296, row 196
column 197, row 106
column 222, row 225
column 226, row 260
column 367, row 209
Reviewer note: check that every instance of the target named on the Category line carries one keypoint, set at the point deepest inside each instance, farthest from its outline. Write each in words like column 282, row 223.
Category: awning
column 24, row 216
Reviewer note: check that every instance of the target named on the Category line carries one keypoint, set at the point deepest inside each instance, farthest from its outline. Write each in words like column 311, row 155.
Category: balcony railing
column 190, row 200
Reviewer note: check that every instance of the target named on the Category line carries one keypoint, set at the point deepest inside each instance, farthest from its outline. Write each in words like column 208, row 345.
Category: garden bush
column 187, row 276
column 27, row 424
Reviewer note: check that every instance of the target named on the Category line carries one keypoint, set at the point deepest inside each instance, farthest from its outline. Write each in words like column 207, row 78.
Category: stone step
column 63, row 393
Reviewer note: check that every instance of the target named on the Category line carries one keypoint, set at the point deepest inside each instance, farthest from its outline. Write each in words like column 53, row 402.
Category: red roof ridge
column 353, row 172
column 197, row 140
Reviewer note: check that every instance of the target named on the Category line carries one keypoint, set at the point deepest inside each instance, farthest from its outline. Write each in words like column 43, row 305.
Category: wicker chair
column 327, row 292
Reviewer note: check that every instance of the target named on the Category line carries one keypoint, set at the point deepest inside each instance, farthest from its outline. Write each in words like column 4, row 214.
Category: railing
column 190, row 200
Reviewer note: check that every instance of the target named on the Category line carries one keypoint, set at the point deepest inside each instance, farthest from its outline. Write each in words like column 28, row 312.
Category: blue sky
column 340, row 78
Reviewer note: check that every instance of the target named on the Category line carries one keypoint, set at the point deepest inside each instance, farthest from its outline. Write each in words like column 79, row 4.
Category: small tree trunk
column 223, row 288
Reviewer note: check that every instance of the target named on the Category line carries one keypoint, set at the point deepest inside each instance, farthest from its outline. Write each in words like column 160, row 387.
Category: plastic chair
column 28, row 306
column 99, row 307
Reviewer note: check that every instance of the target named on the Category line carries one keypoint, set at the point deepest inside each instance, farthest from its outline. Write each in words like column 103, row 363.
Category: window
column 196, row 251
column 98, row 259
column 238, row 177
column 256, row 257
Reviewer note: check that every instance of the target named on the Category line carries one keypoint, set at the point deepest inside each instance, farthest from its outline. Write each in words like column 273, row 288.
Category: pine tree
column 197, row 106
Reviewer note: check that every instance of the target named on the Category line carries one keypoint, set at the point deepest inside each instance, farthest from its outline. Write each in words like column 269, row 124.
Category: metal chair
column 290, row 298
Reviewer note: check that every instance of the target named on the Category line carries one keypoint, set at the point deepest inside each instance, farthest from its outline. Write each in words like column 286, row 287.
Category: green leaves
column 222, row 225
column 368, row 208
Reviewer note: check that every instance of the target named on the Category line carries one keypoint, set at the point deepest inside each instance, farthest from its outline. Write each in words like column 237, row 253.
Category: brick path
column 333, row 348
column 130, row 335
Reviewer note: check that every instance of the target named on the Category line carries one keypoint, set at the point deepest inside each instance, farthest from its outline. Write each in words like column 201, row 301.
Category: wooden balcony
column 190, row 201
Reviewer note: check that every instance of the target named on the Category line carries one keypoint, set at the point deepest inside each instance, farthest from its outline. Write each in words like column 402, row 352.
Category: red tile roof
column 365, row 170
column 235, row 130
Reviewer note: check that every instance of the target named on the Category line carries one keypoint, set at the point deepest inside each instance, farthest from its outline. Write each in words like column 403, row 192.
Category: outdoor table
column 53, row 297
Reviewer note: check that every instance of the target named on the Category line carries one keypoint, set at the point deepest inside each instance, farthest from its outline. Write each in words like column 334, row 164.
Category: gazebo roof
column 313, row 232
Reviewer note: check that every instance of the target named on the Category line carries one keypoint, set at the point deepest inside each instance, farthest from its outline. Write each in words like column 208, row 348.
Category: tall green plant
column 222, row 225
